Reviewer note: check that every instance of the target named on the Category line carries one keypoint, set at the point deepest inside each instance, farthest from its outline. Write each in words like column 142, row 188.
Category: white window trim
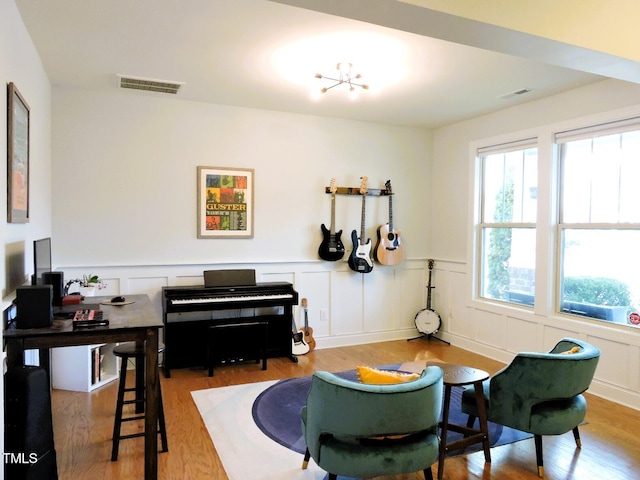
column 548, row 230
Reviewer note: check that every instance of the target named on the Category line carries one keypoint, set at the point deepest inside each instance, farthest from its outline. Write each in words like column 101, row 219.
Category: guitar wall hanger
column 372, row 192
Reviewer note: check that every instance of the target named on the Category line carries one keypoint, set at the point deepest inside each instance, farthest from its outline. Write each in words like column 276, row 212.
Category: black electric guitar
column 389, row 249
column 331, row 248
column 360, row 258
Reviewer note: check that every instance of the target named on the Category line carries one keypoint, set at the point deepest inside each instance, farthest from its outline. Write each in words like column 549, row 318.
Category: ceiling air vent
column 161, row 86
column 522, row 91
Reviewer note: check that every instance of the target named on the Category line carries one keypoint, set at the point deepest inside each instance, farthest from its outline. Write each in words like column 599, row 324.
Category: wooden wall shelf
column 375, row 192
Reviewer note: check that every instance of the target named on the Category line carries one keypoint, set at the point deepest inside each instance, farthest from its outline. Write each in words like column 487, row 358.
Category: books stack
column 89, row 318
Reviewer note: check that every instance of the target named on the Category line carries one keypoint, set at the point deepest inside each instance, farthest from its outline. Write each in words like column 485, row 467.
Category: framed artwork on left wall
column 17, row 157
column 225, row 202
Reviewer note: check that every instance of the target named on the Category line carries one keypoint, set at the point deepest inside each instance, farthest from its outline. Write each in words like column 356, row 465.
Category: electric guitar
column 307, row 332
column 298, row 347
column 360, row 258
column 389, row 249
column 331, row 248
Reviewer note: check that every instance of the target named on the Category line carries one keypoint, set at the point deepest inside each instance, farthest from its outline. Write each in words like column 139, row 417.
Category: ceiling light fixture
column 346, row 77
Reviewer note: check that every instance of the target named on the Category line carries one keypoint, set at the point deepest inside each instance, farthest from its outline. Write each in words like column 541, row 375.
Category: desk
column 135, row 322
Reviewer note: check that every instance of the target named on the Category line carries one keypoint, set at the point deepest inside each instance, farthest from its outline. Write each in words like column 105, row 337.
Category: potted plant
column 86, row 286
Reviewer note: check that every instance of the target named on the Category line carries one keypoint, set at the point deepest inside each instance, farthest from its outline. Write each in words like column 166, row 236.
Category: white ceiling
column 264, row 54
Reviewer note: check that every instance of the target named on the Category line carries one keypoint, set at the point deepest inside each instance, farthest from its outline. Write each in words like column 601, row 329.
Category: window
column 599, row 222
column 507, row 227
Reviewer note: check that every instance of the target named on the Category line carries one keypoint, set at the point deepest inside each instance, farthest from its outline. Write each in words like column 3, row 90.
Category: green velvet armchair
column 364, row 430
column 540, row 393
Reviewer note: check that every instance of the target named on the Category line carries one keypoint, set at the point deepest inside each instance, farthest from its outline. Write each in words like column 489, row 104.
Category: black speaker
column 34, row 306
column 28, row 429
column 56, row 280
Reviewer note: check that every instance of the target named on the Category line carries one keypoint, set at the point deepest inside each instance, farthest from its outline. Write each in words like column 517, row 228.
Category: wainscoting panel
column 613, row 356
column 552, row 334
column 500, row 331
column 380, row 315
column 316, row 287
column 456, row 317
column 411, row 295
column 382, row 304
column 520, row 333
column 491, row 329
column 347, row 299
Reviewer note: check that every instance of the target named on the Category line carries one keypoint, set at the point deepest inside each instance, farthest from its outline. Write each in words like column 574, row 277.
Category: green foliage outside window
column 500, row 246
column 597, row 291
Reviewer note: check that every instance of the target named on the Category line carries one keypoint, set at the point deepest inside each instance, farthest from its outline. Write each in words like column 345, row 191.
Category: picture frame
column 18, row 125
column 225, row 202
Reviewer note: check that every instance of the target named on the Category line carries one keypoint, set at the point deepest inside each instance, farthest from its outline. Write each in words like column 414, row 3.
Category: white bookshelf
column 83, row 368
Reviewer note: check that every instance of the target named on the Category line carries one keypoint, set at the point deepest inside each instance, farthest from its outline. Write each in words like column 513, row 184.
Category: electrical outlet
column 324, row 315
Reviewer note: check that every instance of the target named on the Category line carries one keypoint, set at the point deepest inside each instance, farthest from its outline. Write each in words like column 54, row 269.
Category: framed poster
column 17, row 157
column 225, row 202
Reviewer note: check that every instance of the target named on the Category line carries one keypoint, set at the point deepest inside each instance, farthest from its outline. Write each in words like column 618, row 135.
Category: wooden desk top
column 137, row 315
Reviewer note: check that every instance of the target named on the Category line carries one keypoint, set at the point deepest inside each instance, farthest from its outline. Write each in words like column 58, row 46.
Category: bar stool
column 127, row 351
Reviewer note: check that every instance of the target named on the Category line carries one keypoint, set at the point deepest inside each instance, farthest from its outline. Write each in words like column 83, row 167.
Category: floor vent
column 161, row 86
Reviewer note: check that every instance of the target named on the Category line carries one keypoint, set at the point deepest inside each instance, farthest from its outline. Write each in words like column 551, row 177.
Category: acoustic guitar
column 307, row 331
column 389, row 249
column 360, row 258
column 331, row 248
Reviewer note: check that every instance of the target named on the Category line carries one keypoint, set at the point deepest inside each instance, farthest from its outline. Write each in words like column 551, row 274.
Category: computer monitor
column 41, row 259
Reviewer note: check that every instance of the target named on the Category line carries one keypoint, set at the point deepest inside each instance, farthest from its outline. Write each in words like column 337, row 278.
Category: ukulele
column 298, row 346
column 360, row 258
column 331, row 248
column 389, row 249
column 307, row 332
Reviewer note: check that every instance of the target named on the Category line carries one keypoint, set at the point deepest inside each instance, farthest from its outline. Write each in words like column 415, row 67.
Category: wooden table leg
column 151, row 407
column 482, row 418
column 140, row 382
column 444, row 429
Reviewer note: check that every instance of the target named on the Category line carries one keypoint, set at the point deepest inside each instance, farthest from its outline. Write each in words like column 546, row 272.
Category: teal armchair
column 364, row 430
column 540, row 393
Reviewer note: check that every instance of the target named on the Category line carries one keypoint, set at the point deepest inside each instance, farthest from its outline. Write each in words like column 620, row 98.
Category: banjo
column 428, row 321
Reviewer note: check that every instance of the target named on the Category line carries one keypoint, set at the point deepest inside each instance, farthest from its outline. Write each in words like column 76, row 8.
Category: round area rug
column 276, row 412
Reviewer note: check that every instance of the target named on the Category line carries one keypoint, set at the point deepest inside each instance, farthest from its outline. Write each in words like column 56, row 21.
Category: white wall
column 124, row 202
column 125, row 179
column 19, row 63
column 497, row 331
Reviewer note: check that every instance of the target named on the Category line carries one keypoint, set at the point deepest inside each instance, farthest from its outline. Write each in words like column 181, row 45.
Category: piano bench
column 240, row 328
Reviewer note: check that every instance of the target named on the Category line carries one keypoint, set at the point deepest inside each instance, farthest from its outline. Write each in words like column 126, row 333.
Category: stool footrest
column 129, row 419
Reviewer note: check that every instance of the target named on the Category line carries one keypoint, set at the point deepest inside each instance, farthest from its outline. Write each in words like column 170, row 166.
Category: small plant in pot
column 86, row 286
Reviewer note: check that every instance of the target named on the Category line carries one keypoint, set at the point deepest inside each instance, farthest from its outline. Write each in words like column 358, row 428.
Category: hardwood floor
column 83, row 424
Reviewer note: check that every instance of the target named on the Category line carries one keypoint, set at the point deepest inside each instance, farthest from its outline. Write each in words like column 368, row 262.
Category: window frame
column 561, row 138
column 548, row 269
column 480, row 153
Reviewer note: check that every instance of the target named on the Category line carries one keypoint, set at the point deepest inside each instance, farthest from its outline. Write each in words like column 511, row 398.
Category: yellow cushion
column 569, row 352
column 384, row 377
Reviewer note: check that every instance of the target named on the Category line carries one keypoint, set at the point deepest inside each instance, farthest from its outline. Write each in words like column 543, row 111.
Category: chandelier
column 346, row 77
